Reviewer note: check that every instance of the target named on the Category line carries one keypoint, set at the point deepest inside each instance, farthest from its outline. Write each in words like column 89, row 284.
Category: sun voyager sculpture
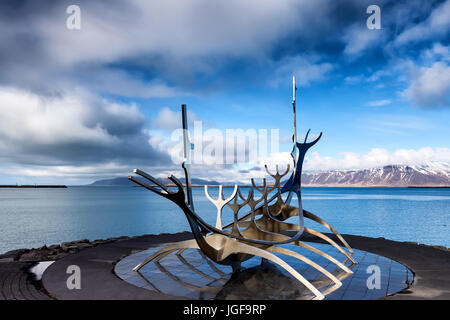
column 260, row 232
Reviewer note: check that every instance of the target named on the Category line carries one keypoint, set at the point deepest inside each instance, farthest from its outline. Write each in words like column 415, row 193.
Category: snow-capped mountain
column 429, row 174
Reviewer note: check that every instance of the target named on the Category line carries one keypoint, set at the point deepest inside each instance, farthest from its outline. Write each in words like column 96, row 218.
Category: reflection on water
column 34, row 217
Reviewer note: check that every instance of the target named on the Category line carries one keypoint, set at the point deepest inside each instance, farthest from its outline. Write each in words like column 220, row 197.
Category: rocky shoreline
column 58, row 251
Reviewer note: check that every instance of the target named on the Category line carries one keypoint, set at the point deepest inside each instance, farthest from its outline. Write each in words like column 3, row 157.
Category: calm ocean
column 34, row 217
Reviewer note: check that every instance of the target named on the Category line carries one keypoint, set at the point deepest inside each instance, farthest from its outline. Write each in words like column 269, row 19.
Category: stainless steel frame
column 247, row 236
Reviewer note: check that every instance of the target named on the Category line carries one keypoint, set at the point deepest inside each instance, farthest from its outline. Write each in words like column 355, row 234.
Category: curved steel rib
column 218, row 246
column 220, row 203
column 268, row 228
column 231, row 247
column 196, row 223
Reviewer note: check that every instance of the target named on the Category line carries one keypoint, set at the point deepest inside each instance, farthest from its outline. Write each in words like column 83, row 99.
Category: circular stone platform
column 430, row 266
column 191, row 275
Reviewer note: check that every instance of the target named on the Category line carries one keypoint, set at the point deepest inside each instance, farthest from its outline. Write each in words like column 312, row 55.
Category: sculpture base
column 191, row 275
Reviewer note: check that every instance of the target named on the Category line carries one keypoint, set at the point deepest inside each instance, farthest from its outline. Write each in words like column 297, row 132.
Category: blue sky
column 80, row 105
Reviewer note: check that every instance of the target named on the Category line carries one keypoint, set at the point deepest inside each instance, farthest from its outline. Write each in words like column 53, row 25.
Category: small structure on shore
column 260, row 232
column 31, row 186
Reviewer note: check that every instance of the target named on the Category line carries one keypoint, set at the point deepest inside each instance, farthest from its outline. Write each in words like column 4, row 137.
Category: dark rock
column 58, row 256
column 34, row 255
column 97, row 242
column 84, row 245
column 80, row 241
column 434, row 247
column 15, row 254
column 55, row 251
column 66, row 246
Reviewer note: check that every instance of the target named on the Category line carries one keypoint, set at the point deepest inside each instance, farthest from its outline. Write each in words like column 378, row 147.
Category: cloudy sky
column 80, row 105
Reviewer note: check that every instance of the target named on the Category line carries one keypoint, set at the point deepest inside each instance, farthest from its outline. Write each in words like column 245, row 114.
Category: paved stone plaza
column 429, row 266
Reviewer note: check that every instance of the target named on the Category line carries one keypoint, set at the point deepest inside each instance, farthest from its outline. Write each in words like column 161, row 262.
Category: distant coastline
column 200, row 183
column 430, row 175
column 31, row 186
column 429, row 187
column 309, row 186
column 370, row 186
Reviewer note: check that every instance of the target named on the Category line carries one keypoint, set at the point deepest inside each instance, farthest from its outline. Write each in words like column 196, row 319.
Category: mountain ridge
column 426, row 175
column 429, row 174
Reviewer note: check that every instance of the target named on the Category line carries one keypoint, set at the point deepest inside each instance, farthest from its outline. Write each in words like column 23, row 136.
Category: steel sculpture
column 321, row 283
column 247, row 236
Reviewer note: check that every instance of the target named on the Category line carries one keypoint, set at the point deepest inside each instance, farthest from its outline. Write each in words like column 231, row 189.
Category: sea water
column 34, row 217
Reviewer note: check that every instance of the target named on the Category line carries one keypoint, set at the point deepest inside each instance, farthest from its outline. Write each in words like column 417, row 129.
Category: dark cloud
column 183, row 50
column 52, row 79
column 73, row 130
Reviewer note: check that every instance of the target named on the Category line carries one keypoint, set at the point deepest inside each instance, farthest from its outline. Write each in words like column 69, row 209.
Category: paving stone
column 16, row 283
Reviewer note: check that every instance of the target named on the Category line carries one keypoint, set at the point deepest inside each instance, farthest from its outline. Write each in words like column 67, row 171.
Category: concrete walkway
column 431, row 268
column 98, row 281
column 16, row 283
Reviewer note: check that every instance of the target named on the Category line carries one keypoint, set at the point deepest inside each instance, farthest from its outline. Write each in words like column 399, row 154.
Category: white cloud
column 67, row 172
column 375, row 158
column 197, row 27
column 436, row 52
column 431, row 86
column 354, row 79
column 141, row 48
column 378, row 103
column 437, row 24
column 306, row 69
column 244, row 172
column 402, row 124
column 169, row 120
column 119, row 82
column 29, row 117
column 378, row 75
column 359, row 38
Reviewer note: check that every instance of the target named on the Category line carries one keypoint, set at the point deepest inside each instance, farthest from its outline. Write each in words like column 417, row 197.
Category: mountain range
column 429, row 174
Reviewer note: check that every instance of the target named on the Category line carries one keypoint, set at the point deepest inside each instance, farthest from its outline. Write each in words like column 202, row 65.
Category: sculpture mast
column 294, row 89
column 294, row 139
column 188, row 146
